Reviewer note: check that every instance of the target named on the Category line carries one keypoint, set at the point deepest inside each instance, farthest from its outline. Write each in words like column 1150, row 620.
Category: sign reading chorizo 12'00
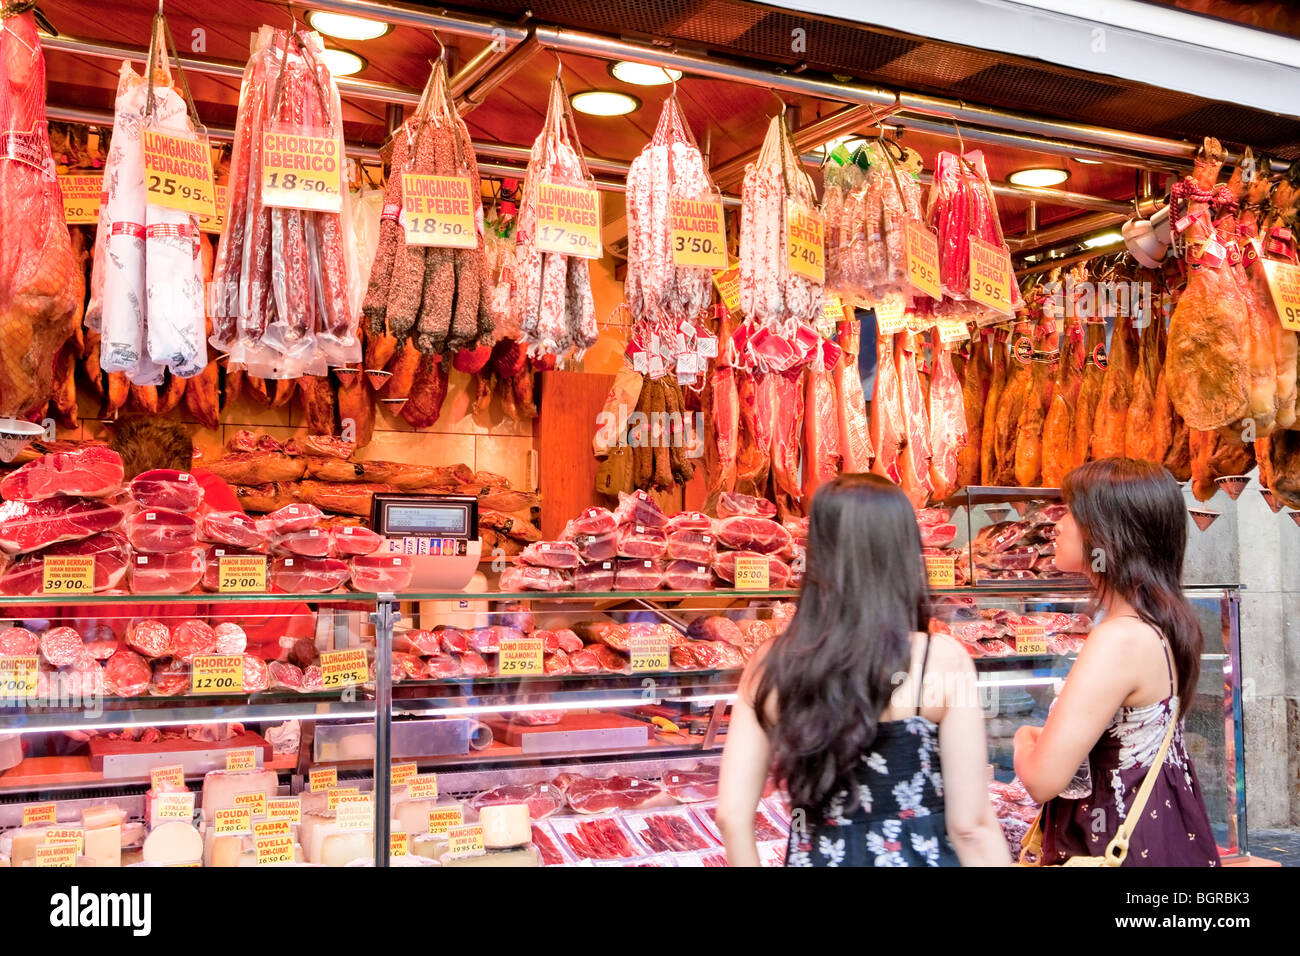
column 302, row 172
column 178, row 172
column 568, row 220
column 439, row 211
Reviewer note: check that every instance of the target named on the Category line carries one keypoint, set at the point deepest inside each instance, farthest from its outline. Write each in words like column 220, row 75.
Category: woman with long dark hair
column 874, row 726
column 1126, row 529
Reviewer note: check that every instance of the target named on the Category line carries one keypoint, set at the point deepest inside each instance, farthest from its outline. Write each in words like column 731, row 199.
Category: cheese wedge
column 174, row 842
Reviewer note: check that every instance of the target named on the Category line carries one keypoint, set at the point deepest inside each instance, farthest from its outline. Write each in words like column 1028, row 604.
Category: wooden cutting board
column 101, row 748
column 512, row 734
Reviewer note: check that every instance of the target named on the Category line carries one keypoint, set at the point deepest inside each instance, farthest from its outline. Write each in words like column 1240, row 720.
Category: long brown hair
column 832, row 672
column 1133, row 522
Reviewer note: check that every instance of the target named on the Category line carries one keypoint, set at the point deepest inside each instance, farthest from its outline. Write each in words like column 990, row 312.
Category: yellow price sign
column 698, row 234
column 649, row 652
column 953, row 330
column 922, row 255
column 338, row 795
column 423, row 787
column 233, row 820
column 439, row 211
column 241, row 573
column 302, row 172
column 324, row 778
column 728, row 285
column 216, row 222
column 178, row 172
column 402, row 773
column 82, row 193
column 805, row 241
column 344, row 668
column 57, row 854
column 274, row 849
column 568, row 220
column 990, row 276
column 753, row 573
column 74, row 836
column 891, row 316
column 833, row 313
column 354, row 812
column 443, row 819
column 39, row 813
column 520, row 658
column 174, row 805
column 288, row 809
column 398, row 844
column 1284, row 287
column 465, row 840
column 941, row 570
column 18, row 676
column 1030, row 638
column 67, row 574
column 268, row 828
column 217, row 674
column 255, row 802
column 171, row 776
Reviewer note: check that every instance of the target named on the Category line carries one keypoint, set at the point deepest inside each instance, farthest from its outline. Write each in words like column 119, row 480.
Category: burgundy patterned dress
column 1175, row 829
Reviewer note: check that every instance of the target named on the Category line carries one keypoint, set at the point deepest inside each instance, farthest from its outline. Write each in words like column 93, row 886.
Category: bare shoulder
column 948, row 653
column 753, row 673
column 1119, row 636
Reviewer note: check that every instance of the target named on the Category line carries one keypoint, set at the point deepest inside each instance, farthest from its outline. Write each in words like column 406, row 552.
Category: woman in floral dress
column 874, row 726
column 1127, row 530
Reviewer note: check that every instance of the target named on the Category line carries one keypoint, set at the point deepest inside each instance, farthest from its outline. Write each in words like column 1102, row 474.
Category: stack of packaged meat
column 60, row 505
column 1015, row 810
column 870, row 197
column 285, row 294
column 937, row 535
column 994, row 632
column 551, row 292
column 1021, row 550
column 147, row 280
column 164, row 533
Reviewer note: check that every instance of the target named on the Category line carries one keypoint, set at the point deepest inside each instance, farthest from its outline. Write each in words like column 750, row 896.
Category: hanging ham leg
column 1284, row 340
column 855, row 430
column 914, row 458
column 988, row 420
column 948, row 429
column 752, row 457
column 1057, row 453
column 787, row 424
column 1139, row 434
column 976, row 381
column 1038, row 398
column 821, row 431
column 1116, row 394
column 887, row 412
column 1094, row 375
column 1012, row 402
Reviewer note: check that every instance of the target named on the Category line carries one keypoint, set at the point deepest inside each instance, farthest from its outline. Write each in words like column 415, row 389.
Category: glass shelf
column 121, row 712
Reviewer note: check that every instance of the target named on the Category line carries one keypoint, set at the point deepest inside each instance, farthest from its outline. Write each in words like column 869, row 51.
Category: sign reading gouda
column 568, row 220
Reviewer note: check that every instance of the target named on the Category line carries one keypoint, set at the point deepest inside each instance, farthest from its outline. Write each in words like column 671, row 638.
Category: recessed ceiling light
column 604, row 103
column 343, row 63
column 1086, row 162
column 344, row 27
column 643, row 74
column 1105, row 239
column 1039, row 176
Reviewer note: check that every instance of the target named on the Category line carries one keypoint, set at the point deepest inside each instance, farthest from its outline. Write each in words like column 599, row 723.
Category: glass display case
column 407, row 730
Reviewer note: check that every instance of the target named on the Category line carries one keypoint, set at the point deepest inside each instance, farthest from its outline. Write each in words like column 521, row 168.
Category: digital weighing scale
column 438, row 532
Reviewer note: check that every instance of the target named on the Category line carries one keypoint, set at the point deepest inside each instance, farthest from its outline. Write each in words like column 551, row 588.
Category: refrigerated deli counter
column 526, row 728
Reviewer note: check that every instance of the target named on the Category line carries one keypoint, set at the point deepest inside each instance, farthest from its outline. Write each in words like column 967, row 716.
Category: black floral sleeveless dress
column 899, row 816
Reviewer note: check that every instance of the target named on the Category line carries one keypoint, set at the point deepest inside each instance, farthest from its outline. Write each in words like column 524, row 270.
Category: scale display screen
column 450, row 516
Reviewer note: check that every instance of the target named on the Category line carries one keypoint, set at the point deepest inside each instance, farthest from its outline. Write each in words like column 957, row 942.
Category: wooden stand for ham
column 511, row 734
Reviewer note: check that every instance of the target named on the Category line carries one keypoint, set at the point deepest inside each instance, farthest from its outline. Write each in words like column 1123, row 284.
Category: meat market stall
column 512, row 349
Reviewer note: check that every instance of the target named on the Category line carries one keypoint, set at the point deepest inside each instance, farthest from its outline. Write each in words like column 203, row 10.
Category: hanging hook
column 779, row 100
column 559, row 64
column 442, row 49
